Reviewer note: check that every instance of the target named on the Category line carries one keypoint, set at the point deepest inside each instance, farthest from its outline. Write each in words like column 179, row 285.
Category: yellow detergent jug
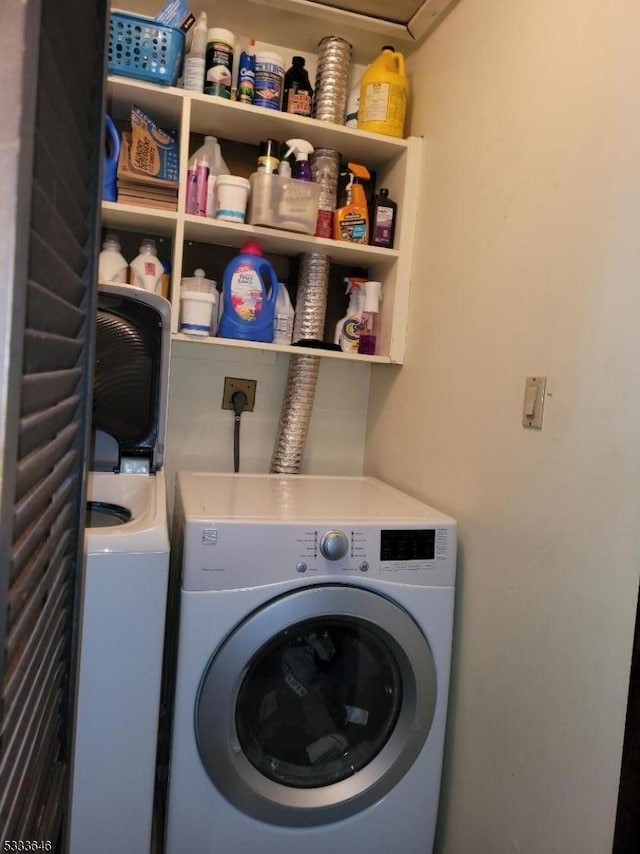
column 383, row 94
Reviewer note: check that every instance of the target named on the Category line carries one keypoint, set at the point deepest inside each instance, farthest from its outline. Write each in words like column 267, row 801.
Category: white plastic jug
column 146, row 269
column 283, row 317
column 112, row 266
column 204, row 166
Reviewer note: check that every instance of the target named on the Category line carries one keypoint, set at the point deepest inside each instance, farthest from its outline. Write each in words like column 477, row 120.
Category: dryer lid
column 131, row 378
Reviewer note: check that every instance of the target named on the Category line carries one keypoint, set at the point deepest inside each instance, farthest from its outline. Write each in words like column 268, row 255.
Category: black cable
column 239, row 401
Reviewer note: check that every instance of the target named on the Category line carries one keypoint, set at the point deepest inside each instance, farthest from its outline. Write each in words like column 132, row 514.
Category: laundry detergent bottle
column 249, row 292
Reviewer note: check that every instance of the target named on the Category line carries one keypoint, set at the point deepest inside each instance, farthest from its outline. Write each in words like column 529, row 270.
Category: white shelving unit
column 396, row 162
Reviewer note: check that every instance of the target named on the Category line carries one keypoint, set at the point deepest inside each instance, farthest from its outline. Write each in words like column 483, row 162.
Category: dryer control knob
column 334, row 545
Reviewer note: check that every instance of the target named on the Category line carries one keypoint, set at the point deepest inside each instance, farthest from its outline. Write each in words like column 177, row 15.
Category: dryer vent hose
column 295, row 417
column 299, row 394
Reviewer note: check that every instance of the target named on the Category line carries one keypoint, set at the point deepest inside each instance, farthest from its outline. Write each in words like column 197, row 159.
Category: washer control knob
column 334, row 545
column 364, row 566
column 301, row 567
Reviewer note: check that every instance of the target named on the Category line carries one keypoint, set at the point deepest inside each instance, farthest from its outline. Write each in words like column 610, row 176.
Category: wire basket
column 144, row 49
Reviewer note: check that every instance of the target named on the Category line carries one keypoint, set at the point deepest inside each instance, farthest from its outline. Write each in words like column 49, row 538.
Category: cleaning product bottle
column 269, row 156
column 367, row 340
column 283, row 317
column 351, row 221
column 146, row 269
column 383, row 225
column 247, row 74
column 347, row 332
column 248, row 304
column 206, row 161
column 193, row 73
column 301, row 149
column 284, row 169
column 217, row 168
column 297, row 92
column 383, row 94
column 111, row 155
column 112, row 267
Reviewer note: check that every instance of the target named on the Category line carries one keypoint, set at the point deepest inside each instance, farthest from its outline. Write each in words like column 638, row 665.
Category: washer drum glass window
column 316, row 705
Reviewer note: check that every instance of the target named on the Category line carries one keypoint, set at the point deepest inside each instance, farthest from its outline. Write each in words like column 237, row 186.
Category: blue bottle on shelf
column 250, row 291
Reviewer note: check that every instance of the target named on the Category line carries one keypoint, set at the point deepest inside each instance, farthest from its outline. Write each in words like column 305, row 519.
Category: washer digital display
column 407, row 545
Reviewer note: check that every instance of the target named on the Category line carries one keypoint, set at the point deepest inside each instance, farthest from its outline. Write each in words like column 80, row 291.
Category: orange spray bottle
column 351, row 222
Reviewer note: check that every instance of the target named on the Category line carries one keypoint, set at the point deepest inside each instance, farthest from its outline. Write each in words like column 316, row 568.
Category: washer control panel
column 224, row 555
column 386, row 549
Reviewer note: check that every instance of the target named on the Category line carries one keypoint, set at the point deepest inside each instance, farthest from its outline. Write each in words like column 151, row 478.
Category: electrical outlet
column 233, row 384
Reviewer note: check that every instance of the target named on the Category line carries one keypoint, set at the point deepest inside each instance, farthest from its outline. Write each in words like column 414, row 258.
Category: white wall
column 529, row 259
column 200, row 433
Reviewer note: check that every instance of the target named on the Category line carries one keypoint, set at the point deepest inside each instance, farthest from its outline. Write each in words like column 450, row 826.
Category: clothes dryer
column 125, row 579
column 316, row 618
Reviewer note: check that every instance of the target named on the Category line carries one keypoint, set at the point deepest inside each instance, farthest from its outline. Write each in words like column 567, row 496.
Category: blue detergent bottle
column 250, row 291
column 110, row 167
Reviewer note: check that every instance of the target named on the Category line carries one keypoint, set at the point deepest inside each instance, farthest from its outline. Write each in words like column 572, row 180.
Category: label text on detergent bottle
column 246, row 293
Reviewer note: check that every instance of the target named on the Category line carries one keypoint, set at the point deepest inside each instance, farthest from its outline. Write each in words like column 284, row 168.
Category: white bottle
column 347, row 333
column 112, row 266
column 194, row 64
column 283, row 316
column 206, row 163
column 146, row 269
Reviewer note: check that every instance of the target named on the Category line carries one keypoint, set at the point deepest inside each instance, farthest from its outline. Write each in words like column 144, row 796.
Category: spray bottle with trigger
column 367, row 340
column 301, row 149
column 347, row 334
column 351, row 221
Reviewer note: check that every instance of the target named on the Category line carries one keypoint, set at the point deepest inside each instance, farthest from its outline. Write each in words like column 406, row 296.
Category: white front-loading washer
column 125, row 579
column 315, row 630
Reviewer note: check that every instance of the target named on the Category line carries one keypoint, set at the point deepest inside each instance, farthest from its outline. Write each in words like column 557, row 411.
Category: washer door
column 316, row 705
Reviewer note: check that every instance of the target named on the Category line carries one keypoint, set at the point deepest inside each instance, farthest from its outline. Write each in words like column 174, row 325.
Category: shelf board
column 249, row 124
column 164, row 103
column 134, row 218
column 278, row 348
column 246, row 123
column 275, row 241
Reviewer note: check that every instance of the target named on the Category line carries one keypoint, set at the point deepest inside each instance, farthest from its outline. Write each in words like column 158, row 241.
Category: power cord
column 239, row 401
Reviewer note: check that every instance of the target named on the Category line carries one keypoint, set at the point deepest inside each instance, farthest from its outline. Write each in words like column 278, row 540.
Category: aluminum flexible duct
column 295, row 417
column 302, row 379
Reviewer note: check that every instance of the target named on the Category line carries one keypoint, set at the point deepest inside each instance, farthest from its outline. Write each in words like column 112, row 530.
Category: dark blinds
column 40, row 551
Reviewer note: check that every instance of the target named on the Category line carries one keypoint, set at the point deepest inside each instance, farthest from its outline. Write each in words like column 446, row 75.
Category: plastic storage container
column 231, row 198
column 144, row 49
column 285, row 203
column 198, row 305
column 269, row 80
column 219, row 62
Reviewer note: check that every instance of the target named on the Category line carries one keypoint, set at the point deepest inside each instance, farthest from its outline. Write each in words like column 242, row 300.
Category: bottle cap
column 111, row 241
column 388, row 47
column 384, row 192
column 199, row 273
column 298, row 60
column 251, row 248
column 269, row 147
column 148, row 247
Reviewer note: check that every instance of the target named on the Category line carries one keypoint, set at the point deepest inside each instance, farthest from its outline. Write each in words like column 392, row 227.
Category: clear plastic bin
column 279, row 202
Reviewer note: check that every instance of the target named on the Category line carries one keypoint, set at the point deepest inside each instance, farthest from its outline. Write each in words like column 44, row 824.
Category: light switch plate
column 533, row 405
